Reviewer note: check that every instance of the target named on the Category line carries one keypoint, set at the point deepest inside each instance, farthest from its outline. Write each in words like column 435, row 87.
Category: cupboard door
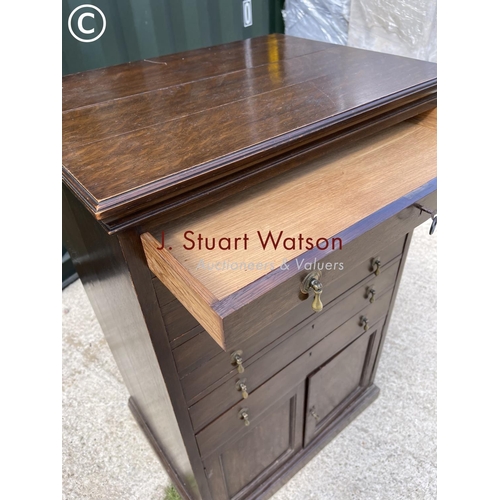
column 332, row 387
column 258, row 449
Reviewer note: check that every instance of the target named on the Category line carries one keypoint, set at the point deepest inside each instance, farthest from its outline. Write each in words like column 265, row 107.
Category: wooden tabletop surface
column 161, row 125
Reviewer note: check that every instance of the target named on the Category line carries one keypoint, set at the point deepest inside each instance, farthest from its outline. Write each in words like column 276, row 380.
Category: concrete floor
column 389, row 452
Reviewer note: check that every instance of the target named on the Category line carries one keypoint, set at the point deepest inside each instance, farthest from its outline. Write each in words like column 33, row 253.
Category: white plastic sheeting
column 324, row 20
column 403, row 27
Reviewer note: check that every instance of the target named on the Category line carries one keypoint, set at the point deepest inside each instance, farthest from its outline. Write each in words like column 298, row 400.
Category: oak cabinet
column 303, row 167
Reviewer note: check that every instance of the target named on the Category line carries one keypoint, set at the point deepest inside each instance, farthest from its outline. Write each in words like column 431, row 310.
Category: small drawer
column 214, row 436
column 200, row 349
column 302, row 338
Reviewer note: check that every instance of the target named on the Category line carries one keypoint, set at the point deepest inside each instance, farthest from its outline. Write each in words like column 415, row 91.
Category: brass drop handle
column 244, row 416
column 376, row 263
column 364, row 322
column 241, row 386
column 370, row 294
column 311, row 282
column 312, row 411
column 237, row 361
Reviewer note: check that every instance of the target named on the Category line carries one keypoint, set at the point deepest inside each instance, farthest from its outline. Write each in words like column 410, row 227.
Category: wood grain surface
column 151, row 128
column 318, row 201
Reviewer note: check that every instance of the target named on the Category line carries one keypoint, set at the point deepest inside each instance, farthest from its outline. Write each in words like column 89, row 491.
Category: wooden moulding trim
column 164, row 188
column 266, row 283
column 187, row 289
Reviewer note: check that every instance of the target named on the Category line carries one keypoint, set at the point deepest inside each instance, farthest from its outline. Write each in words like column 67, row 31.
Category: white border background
column 468, row 165
column 30, row 348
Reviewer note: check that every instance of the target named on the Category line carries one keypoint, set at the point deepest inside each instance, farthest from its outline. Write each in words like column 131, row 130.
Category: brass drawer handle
column 311, row 282
column 313, row 413
column 241, row 386
column 237, row 360
column 376, row 264
column 364, row 322
column 370, row 294
column 244, row 416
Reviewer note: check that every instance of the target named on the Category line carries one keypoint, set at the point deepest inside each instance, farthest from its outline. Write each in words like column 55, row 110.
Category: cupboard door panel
column 258, row 449
column 337, row 382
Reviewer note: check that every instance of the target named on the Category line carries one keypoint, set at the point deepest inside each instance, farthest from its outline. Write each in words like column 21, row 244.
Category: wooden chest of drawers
column 241, row 230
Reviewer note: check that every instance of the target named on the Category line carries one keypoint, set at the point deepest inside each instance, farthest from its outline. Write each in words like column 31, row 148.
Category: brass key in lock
column 241, row 386
column 311, row 282
column 237, row 361
column 244, row 416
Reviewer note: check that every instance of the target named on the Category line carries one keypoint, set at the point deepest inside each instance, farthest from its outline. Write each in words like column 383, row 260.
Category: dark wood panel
column 269, row 485
column 177, row 319
column 301, row 338
column 117, row 82
column 120, row 116
column 256, row 451
column 162, row 292
column 178, row 341
column 109, row 167
column 334, row 384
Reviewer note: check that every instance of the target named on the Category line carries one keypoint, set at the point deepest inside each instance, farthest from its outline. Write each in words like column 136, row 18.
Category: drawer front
column 178, row 321
column 201, row 348
column 208, row 372
column 302, row 337
column 215, row 435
